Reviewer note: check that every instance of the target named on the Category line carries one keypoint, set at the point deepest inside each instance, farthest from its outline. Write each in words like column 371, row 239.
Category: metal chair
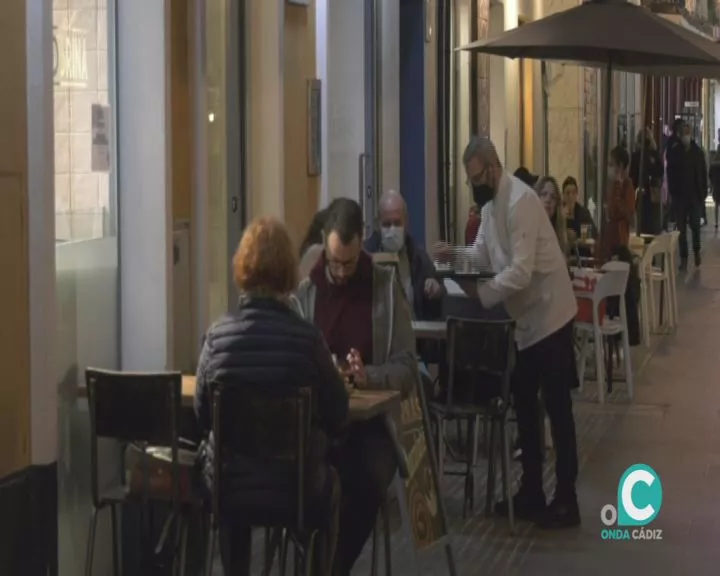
column 272, row 425
column 133, row 408
column 481, row 356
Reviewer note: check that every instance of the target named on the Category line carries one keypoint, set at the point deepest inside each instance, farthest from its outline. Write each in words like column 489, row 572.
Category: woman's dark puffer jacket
column 265, row 343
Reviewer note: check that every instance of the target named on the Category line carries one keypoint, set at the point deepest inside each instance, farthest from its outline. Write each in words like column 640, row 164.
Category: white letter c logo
column 635, row 477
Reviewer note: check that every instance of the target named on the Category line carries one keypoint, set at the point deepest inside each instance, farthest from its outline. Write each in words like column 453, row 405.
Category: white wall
column 145, row 201
column 321, row 39
column 345, row 101
column 341, row 66
column 390, row 95
column 41, row 236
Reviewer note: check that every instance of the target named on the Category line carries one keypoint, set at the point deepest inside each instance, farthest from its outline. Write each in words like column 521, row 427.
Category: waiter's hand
column 443, row 252
column 432, row 288
column 470, row 287
column 357, row 368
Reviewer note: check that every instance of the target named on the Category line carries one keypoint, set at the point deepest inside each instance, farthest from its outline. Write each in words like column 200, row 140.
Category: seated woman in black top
column 576, row 215
column 265, row 343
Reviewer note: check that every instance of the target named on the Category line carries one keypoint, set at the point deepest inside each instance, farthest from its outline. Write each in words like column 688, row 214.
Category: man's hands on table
column 432, row 288
column 356, row 368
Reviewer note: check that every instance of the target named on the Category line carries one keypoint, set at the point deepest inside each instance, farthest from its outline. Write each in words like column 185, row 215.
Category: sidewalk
column 673, row 425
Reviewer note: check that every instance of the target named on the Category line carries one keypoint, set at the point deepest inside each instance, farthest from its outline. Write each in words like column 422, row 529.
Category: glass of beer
column 584, row 232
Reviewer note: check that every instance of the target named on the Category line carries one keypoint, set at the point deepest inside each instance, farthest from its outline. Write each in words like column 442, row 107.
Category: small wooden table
column 430, row 330
column 364, row 404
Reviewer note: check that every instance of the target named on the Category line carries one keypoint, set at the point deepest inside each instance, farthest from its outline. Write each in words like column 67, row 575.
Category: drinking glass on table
column 584, row 232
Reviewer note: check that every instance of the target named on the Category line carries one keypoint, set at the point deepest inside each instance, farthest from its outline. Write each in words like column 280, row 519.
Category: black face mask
column 482, row 194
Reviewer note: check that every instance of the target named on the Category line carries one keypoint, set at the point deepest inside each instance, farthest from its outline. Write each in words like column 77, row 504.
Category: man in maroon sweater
column 365, row 318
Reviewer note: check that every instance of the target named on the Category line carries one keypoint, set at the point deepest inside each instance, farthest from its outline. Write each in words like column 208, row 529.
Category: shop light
column 211, row 117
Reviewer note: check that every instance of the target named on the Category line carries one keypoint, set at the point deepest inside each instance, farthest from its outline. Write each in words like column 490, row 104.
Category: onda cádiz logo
column 639, row 499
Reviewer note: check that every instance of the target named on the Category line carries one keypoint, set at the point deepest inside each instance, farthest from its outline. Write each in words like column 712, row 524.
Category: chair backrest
column 660, row 246
column 613, row 281
column 133, row 407
column 262, row 423
column 484, row 351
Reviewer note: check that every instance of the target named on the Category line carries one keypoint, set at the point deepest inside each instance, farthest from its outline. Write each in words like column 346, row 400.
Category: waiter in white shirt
column 518, row 243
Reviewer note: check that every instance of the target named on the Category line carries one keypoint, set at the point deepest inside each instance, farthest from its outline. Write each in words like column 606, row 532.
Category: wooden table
column 364, row 404
column 430, row 330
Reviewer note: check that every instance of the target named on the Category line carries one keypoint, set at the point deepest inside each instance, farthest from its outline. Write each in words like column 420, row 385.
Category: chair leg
column 469, row 499
column 183, row 545
column 628, row 362
column 283, row 553
column 441, row 448
column 386, row 533
column 507, row 484
column 490, row 485
column 645, row 313
column 653, row 309
column 90, row 552
column 209, row 561
column 582, row 361
column 599, row 370
column 309, row 556
column 268, row 552
column 115, row 554
column 375, row 549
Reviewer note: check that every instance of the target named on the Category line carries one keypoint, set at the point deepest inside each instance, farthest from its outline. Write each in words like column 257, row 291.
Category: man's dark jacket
column 686, row 172
column 421, row 268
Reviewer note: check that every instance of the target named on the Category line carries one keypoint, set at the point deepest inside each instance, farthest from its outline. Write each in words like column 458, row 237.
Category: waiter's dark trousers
column 687, row 213
column 548, row 365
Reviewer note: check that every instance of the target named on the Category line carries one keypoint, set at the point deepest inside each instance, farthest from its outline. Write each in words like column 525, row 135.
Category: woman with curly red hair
column 265, row 344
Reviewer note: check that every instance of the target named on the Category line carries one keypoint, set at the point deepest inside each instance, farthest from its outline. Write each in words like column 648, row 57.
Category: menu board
column 425, row 510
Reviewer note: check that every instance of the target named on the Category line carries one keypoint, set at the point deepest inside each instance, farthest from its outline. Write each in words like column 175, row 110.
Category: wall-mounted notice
column 100, row 138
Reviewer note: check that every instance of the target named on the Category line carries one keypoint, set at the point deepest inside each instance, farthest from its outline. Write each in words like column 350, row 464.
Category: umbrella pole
column 641, row 168
column 606, row 146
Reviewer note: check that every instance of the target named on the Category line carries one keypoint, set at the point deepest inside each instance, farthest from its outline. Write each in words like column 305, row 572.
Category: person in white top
column 517, row 242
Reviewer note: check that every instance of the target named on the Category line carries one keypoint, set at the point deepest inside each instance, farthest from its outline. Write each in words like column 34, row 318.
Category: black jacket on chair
column 265, row 343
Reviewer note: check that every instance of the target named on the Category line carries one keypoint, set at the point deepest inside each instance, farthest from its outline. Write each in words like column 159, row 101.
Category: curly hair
column 558, row 219
column 266, row 262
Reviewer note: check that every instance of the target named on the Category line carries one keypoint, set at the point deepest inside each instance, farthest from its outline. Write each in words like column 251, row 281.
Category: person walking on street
column 517, row 241
column 687, row 184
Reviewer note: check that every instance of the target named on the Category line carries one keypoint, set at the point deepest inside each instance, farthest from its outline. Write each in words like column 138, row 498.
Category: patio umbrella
column 614, row 35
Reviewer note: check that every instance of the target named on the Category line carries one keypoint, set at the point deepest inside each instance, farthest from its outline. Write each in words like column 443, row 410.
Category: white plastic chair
column 674, row 240
column 650, row 275
column 613, row 282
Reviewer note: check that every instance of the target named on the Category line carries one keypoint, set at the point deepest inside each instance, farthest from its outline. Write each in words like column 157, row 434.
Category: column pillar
column 28, row 399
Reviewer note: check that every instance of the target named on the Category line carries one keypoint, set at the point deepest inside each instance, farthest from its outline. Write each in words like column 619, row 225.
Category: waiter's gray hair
column 483, row 148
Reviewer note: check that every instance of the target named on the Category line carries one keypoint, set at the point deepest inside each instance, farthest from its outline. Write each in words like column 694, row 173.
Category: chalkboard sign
column 424, row 504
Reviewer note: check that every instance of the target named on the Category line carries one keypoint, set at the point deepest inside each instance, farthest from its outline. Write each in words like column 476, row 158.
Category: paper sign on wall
column 100, row 138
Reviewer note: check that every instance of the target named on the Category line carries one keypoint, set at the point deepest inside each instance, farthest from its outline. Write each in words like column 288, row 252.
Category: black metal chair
column 272, row 426
column 481, row 358
column 142, row 409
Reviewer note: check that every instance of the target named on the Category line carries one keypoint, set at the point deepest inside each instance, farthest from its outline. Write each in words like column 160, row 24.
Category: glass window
column 84, row 190
column 216, row 66
column 86, row 254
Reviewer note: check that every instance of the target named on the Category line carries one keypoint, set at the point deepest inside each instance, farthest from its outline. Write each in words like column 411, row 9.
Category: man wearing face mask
column 417, row 272
column 517, row 242
column 687, row 185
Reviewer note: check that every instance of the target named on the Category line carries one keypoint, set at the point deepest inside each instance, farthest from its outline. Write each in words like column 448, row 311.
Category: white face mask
column 393, row 238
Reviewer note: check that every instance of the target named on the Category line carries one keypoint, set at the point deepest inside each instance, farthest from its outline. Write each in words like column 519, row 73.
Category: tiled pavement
column 672, row 425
